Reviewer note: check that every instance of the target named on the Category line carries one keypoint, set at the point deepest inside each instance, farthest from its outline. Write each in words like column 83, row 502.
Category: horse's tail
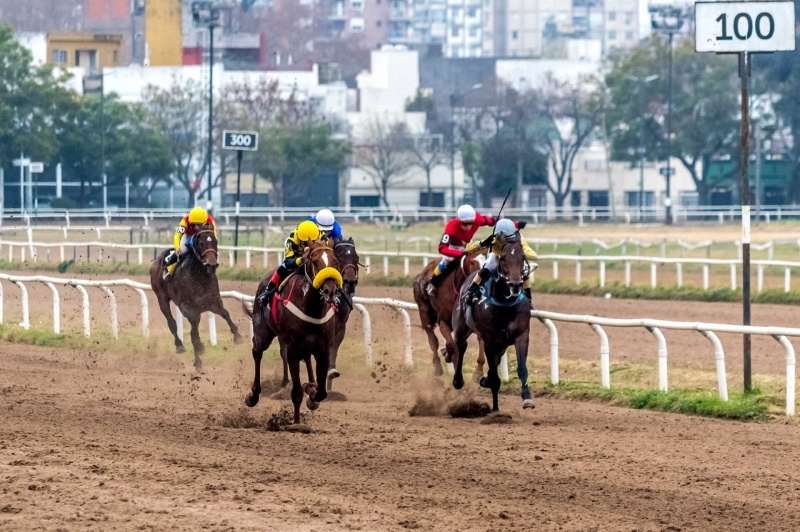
column 247, row 310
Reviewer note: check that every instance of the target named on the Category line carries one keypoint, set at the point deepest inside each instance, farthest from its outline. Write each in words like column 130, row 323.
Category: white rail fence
column 597, row 323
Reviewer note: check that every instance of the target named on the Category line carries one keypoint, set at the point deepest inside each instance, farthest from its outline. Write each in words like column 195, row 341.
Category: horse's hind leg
column 450, row 344
column 219, row 309
column 262, row 338
column 163, row 304
column 521, row 346
column 428, row 319
column 323, row 361
column 284, row 354
column 493, row 380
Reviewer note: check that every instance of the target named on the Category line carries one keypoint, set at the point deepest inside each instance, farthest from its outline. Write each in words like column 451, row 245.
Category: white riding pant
column 183, row 247
column 491, row 262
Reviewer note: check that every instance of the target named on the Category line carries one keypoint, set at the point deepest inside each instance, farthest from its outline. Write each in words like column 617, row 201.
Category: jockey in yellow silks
column 294, row 248
column 189, row 225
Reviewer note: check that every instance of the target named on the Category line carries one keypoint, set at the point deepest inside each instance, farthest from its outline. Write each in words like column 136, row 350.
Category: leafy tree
column 132, row 149
column 705, row 114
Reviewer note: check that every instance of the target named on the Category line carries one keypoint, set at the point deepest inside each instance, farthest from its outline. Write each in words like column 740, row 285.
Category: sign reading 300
column 729, row 27
column 240, row 140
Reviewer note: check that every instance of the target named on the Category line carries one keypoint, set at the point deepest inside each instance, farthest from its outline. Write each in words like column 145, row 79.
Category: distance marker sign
column 730, row 27
column 240, row 140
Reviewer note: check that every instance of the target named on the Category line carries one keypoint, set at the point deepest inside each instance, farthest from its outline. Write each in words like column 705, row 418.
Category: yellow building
column 164, row 32
column 89, row 51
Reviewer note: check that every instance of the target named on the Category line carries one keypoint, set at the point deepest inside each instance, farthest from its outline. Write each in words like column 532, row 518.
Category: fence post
column 405, row 266
column 605, row 367
column 602, row 274
column 230, row 258
column 212, row 328
column 367, row 332
column 760, row 277
column 553, row 349
column 247, row 259
column 1, row 303
column 662, row 358
column 733, row 276
column 145, row 312
column 653, row 275
column 26, row 318
column 627, row 273
column 555, row 270
column 790, row 374
column 385, row 265
column 680, row 274
column 140, row 255
column 86, row 316
column 786, row 279
column 56, row 308
column 578, row 272
column 367, row 266
column 719, row 357
column 407, row 357
column 113, row 303
column 705, row 276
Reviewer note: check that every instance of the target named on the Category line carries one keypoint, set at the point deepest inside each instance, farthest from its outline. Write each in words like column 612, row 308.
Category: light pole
column 641, row 82
column 206, row 15
column 669, row 20
column 455, row 98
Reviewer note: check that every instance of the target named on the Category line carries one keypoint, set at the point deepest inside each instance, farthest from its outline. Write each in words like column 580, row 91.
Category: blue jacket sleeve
column 337, row 231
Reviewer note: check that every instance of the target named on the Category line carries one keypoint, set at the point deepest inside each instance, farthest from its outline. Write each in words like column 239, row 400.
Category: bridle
column 500, row 275
column 202, row 256
column 347, row 266
column 310, row 262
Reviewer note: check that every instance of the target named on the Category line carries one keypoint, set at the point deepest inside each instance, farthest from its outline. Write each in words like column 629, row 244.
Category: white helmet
column 466, row 213
column 505, row 227
column 325, row 219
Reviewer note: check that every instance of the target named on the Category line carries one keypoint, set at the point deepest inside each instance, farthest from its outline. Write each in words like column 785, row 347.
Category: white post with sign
column 745, row 28
column 240, row 141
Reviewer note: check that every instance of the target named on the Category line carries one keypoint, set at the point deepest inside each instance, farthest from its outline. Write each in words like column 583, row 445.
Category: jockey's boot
column 527, row 291
column 265, row 296
column 171, row 261
column 472, row 292
column 438, row 273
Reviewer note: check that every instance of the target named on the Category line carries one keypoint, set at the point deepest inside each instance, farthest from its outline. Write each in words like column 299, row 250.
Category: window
column 454, row 32
column 473, row 12
column 594, row 165
column 612, row 15
column 515, row 35
column 648, row 200
column 357, row 25
column 598, row 198
column 473, row 32
column 365, row 201
column 357, row 4
column 612, row 35
column 575, row 198
column 116, row 57
column 59, row 57
column 628, row 18
column 436, row 199
column 629, row 35
column 379, row 23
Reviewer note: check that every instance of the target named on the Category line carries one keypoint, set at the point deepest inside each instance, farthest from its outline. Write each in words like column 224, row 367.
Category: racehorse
column 194, row 289
column 501, row 318
column 300, row 315
column 347, row 255
column 438, row 309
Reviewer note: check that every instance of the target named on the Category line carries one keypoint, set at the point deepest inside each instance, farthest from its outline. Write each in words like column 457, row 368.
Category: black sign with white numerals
column 240, row 140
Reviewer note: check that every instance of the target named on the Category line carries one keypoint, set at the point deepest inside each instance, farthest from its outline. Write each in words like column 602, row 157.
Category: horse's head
column 348, row 264
column 322, row 267
column 511, row 265
column 204, row 245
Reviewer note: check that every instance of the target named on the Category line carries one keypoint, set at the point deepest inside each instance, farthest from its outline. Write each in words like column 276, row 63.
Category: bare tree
column 386, row 158
column 426, row 154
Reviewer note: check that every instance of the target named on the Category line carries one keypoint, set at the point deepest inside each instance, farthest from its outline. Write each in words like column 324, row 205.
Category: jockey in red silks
column 457, row 234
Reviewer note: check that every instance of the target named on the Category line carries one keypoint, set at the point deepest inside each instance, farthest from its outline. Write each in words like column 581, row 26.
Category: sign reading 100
column 732, row 27
column 240, row 140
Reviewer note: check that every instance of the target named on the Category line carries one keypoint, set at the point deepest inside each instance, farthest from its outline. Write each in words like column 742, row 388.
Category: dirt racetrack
column 93, row 440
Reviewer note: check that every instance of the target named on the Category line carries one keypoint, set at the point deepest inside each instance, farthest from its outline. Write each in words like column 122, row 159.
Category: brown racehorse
column 347, row 255
column 194, row 289
column 438, row 309
column 301, row 316
column 501, row 318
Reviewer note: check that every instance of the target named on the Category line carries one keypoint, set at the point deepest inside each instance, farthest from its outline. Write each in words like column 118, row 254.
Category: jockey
column 507, row 228
column 295, row 246
column 328, row 224
column 457, row 234
column 189, row 225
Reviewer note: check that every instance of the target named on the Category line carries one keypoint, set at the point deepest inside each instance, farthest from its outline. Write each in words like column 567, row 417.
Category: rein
column 510, row 300
column 346, row 266
column 202, row 256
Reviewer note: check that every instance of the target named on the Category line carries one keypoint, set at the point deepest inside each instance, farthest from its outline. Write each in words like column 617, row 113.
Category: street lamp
column 455, row 98
column 642, row 82
column 668, row 19
column 206, row 15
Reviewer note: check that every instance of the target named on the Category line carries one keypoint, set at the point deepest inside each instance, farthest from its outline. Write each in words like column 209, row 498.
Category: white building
column 527, row 74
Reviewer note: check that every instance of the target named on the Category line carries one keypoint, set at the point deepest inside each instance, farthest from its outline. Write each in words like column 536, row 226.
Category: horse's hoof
column 237, row 339
column 484, row 382
column 198, row 368
column 458, row 382
column 437, row 371
column 251, row 400
column 311, row 404
column 180, row 349
column 310, row 389
column 448, row 358
column 333, row 373
column 527, row 403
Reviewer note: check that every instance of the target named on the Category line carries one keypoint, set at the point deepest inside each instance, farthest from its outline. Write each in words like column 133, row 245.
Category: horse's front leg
column 262, row 338
column 492, row 381
column 481, row 361
column 521, row 346
column 220, row 310
column 461, row 333
column 297, row 388
column 194, row 320
column 166, row 310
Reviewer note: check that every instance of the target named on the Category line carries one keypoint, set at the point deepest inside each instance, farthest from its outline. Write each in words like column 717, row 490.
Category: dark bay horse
column 301, row 316
column 438, row 309
column 194, row 289
column 501, row 318
column 347, row 256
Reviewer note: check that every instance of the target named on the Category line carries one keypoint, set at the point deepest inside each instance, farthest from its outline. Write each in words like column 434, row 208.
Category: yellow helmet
column 198, row 215
column 307, row 230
